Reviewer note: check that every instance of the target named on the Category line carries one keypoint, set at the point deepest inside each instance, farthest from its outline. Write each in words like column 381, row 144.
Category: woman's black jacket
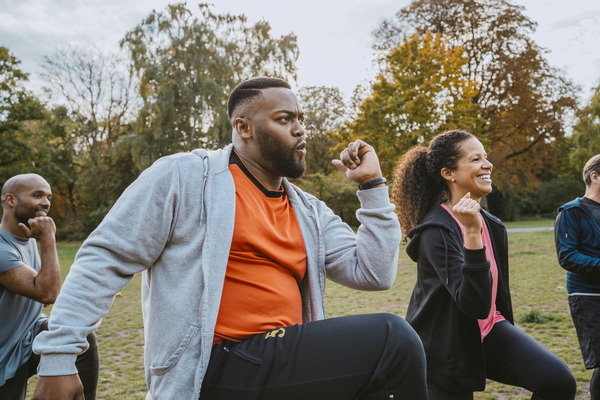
column 453, row 290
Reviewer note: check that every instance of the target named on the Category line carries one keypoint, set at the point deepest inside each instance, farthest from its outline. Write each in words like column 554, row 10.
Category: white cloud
column 334, row 35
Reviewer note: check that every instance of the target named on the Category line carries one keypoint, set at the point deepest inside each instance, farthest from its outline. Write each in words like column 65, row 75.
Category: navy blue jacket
column 577, row 238
column 454, row 290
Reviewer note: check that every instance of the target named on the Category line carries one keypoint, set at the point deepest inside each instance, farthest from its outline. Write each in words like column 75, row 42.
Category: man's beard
column 24, row 213
column 281, row 158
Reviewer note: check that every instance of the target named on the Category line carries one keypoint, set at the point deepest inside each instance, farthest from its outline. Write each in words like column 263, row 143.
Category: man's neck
column 592, row 194
column 5, row 226
column 269, row 181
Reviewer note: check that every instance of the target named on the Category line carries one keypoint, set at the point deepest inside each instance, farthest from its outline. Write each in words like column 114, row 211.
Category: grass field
column 538, row 294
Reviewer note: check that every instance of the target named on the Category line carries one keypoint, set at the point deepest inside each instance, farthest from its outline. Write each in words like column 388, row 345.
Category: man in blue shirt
column 577, row 236
column 28, row 280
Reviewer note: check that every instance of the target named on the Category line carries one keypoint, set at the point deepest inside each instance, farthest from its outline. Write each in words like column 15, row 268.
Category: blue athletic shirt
column 19, row 315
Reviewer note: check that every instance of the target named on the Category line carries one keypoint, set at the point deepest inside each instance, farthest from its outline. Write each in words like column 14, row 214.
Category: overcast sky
column 334, row 36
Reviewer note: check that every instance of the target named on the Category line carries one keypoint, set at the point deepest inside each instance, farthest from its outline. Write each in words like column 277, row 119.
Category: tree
column 97, row 92
column 586, row 133
column 187, row 66
column 324, row 112
column 35, row 139
column 15, row 103
column 97, row 89
column 419, row 91
column 11, row 81
column 524, row 102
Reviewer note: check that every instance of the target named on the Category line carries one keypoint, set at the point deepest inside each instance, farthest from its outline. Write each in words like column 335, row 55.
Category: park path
column 543, row 228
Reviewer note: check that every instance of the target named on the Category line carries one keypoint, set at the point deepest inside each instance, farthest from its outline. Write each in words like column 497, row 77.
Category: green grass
column 538, row 294
column 533, row 223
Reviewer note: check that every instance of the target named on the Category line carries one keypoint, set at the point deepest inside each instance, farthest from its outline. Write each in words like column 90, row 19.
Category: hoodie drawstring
column 445, row 253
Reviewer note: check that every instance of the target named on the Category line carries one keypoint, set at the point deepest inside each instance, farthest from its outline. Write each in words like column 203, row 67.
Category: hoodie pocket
column 174, row 358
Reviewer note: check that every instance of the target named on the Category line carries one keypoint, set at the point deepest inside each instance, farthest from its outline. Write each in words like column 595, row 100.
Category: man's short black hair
column 250, row 89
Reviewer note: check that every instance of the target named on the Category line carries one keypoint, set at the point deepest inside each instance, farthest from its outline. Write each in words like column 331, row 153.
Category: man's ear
column 243, row 127
column 10, row 199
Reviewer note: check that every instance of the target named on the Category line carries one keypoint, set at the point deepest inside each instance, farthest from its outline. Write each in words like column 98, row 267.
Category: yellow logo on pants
column 276, row 333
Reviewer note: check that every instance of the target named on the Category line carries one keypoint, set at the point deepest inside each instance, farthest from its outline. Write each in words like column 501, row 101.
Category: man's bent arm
column 367, row 261
column 129, row 240
column 42, row 286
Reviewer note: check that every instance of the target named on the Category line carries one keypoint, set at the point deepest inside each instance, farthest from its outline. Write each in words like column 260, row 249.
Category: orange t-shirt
column 267, row 262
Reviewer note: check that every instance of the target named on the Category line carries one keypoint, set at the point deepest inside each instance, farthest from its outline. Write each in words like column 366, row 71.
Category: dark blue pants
column 514, row 358
column 375, row 356
column 87, row 364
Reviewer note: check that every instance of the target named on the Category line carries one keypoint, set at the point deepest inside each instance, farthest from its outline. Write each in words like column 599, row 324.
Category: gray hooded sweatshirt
column 174, row 224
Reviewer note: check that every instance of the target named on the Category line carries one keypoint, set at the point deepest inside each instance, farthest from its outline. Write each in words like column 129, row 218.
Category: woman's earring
column 452, row 179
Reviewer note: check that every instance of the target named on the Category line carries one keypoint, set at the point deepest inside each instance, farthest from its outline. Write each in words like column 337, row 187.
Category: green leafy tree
column 187, row 65
column 35, row 139
column 337, row 192
column 16, row 107
column 419, row 91
column 324, row 111
column 11, row 81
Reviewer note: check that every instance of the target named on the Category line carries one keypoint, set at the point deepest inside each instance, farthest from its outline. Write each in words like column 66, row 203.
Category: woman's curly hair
column 418, row 183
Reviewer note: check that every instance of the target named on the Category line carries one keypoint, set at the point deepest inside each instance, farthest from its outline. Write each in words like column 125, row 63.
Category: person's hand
column 358, row 162
column 64, row 387
column 39, row 227
column 467, row 212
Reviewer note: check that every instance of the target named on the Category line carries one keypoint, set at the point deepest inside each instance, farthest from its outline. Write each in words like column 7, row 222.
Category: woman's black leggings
column 514, row 358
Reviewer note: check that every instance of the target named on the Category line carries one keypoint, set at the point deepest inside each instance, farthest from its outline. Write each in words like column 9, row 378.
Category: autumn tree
column 419, row 91
column 187, row 65
column 586, row 133
column 522, row 99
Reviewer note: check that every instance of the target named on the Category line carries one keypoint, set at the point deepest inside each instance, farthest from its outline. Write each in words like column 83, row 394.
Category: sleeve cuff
column 374, row 198
column 476, row 259
column 57, row 364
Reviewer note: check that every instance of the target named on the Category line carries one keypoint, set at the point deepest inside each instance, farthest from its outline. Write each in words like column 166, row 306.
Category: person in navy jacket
column 577, row 237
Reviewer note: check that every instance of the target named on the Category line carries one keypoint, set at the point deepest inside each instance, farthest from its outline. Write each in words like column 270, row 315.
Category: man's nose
column 299, row 129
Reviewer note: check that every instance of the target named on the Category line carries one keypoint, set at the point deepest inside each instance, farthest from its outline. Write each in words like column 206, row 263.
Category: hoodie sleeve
column 568, row 237
column 367, row 260
column 464, row 273
column 129, row 240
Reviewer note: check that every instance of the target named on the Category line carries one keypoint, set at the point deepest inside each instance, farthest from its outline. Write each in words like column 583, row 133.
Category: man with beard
column 234, row 259
column 28, row 280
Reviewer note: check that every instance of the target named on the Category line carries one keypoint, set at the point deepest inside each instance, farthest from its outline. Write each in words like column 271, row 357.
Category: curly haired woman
column 460, row 305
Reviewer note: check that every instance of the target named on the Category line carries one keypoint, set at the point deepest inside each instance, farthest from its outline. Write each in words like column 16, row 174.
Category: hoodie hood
column 436, row 217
